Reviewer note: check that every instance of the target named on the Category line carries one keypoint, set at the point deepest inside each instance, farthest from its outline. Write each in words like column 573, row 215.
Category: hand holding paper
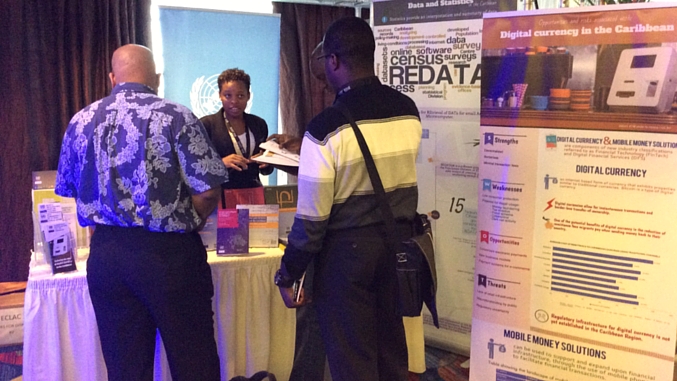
column 276, row 155
column 288, row 142
column 298, row 288
column 295, row 296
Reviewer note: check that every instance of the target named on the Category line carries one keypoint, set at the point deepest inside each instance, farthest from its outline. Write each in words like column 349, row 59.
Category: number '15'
column 456, row 205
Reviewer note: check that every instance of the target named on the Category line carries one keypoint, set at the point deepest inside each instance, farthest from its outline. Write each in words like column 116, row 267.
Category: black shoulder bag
column 416, row 275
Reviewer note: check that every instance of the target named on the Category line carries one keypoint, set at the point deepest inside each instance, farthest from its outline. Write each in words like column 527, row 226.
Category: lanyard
column 239, row 149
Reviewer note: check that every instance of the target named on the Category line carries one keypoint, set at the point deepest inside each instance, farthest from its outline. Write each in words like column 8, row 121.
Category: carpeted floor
column 440, row 365
column 443, row 366
column 11, row 361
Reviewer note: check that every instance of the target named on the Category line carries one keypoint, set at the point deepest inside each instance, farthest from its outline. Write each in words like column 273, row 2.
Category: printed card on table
column 286, row 197
column 263, row 224
column 232, row 235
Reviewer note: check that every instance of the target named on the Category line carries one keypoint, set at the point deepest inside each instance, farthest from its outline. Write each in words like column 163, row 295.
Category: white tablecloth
column 254, row 330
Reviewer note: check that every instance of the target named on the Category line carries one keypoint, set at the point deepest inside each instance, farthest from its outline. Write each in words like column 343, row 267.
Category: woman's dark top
column 218, row 133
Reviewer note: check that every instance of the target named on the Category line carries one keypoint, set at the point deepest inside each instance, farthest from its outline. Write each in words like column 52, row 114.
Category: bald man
column 144, row 173
column 134, row 63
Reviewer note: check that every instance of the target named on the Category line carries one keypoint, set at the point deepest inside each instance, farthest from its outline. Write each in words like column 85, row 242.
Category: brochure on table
column 232, row 197
column 576, row 245
column 57, row 239
column 286, row 196
column 56, row 234
column 262, row 220
column 232, row 236
column 263, row 224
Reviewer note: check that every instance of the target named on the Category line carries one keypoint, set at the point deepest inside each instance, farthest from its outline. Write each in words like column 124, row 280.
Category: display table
column 254, row 330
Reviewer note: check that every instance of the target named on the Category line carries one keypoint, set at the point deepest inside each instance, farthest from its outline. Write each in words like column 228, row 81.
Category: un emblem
column 204, row 96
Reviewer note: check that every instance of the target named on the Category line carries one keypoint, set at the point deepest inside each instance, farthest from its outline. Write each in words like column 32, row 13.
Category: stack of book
column 244, row 220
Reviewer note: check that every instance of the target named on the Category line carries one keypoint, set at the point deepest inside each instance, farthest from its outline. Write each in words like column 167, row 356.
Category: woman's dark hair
column 234, row 74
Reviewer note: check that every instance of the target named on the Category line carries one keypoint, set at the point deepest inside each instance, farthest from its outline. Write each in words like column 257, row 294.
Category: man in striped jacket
column 339, row 221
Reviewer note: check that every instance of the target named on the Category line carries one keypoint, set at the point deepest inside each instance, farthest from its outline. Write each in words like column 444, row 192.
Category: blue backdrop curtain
column 198, row 45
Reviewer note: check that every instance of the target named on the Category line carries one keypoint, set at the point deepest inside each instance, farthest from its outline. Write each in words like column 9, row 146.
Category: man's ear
column 334, row 62
column 112, row 79
column 158, row 78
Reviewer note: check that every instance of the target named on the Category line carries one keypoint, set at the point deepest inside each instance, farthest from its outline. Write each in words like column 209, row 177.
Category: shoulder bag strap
column 376, row 183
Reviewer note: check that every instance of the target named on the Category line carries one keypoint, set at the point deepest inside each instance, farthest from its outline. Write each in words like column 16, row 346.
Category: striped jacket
column 334, row 189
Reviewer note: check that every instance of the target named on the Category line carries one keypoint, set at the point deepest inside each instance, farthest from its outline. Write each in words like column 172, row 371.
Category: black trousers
column 355, row 294
column 309, row 354
column 141, row 281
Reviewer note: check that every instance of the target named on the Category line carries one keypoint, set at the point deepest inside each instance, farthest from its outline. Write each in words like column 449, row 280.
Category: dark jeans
column 309, row 354
column 356, row 300
column 141, row 281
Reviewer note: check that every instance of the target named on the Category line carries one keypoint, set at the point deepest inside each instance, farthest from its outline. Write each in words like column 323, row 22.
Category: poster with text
column 431, row 51
column 576, row 245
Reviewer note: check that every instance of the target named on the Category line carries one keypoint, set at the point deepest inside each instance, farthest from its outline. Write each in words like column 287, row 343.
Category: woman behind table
column 236, row 135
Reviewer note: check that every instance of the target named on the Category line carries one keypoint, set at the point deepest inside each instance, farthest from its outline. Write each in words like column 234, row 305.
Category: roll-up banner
column 576, row 241
column 431, row 51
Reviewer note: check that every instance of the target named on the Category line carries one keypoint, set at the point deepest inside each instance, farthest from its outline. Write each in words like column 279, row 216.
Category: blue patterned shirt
column 134, row 159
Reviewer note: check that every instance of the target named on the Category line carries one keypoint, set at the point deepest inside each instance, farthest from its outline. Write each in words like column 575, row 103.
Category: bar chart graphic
column 597, row 274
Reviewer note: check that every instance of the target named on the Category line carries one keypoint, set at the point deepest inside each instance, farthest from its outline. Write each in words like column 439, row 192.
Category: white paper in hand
column 270, row 157
column 274, row 147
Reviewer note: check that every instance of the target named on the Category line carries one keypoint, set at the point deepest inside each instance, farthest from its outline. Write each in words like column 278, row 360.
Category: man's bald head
column 134, row 63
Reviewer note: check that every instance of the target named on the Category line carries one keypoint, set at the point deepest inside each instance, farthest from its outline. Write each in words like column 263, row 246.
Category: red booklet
column 232, row 233
column 245, row 196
